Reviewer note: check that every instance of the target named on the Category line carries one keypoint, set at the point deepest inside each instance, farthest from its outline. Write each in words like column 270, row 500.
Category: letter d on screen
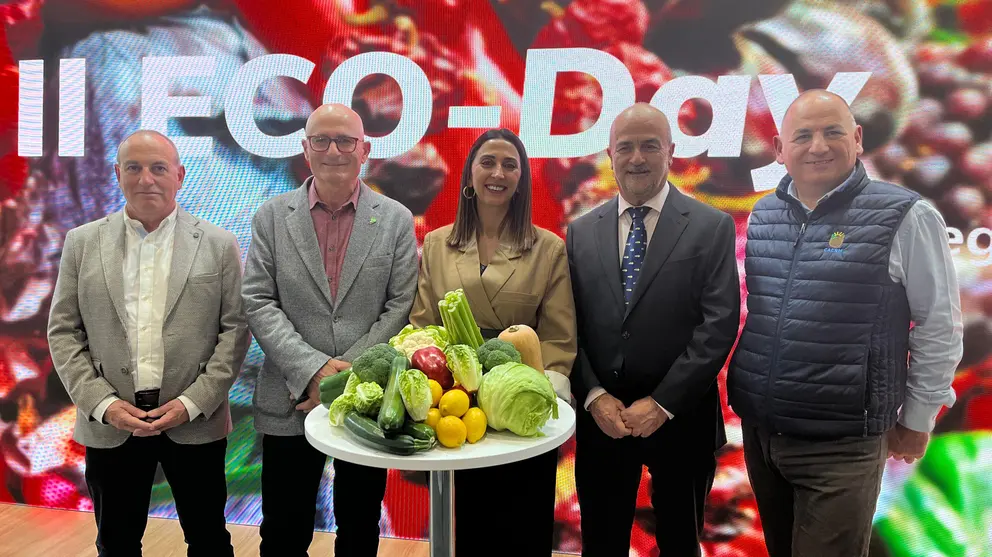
column 543, row 66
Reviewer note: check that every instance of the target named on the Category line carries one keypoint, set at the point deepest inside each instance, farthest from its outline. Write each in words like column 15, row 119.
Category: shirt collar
column 314, row 199
column 135, row 225
column 795, row 195
column 657, row 202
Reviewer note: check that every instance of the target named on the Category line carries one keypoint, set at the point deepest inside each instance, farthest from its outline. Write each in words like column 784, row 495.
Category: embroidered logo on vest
column 836, row 243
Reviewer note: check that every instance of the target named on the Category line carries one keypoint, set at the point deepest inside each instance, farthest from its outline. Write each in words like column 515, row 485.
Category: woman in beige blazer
column 512, row 273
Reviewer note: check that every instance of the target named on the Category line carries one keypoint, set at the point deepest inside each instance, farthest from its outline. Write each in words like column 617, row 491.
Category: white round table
column 494, row 449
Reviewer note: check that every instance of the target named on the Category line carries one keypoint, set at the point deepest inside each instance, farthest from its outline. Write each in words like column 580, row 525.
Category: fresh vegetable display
column 496, row 352
column 432, row 361
column 450, row 391
column 458, row 320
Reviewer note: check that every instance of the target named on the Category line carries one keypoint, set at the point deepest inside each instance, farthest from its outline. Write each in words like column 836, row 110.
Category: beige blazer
column 531, row 288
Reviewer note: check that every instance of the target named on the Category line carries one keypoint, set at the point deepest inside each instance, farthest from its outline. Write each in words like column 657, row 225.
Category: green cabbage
column 518, row 398
column 416, row 394
column 410, row 339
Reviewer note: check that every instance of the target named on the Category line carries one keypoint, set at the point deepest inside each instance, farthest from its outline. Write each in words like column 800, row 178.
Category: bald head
column 819, row 143
column 819, row 99
column 641, row 151
column 336, row 114
column 150, row 139
column 645, row 115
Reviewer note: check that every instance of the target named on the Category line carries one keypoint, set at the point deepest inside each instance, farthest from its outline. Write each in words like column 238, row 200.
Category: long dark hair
column 517, row 223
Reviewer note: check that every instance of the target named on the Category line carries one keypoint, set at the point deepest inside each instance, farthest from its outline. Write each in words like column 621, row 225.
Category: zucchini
column 392, row 414
column 419, row 431
column 332, row 387
column 368, row 433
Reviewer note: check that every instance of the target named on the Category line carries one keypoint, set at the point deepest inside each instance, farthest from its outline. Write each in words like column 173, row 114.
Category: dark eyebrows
column 487, row 156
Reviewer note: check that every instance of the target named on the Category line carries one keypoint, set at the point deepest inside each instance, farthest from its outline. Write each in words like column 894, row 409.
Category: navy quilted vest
column 825, row 346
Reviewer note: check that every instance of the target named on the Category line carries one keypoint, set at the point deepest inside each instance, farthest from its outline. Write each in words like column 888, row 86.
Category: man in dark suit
column 657, row 298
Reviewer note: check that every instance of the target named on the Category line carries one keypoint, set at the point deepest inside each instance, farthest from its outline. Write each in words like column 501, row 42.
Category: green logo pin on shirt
column 372, row 220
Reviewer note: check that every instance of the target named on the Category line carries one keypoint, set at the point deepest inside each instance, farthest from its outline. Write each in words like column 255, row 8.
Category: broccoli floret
column 374, row 364
column 496, row 352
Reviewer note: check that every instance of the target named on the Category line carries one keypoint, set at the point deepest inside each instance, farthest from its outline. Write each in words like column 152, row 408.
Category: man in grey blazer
column 331, row 271
column 147, row 331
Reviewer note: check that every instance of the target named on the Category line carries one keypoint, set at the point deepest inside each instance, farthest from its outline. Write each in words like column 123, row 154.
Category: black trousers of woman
column 507, row 510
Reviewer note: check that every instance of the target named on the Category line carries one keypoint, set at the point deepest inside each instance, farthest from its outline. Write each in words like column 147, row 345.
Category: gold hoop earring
column 467, row 189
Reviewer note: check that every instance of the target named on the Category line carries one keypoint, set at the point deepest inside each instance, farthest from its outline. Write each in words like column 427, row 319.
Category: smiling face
column 150, row 175
column 820, row 142
column 332, row 166
column 641, row 152
column 496, row 172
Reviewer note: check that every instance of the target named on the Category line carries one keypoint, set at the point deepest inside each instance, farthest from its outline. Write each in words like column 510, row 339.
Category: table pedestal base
column 442, row 521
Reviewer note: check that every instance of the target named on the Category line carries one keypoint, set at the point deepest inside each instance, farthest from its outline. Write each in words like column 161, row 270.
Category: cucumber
column 332, row 387
column 419, row 431
column 368, row 433
column 392, row 414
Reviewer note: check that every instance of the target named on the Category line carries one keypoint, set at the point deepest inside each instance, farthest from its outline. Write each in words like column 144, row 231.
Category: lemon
column 475, row 424
column 436, row 392
column 454, row 403
column 451, row 432
column 433, row 417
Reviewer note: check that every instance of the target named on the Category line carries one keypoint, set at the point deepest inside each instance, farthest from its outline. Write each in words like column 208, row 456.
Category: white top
column 496, row 448
column 147, row 263
column 624, row 222
column 920, row 260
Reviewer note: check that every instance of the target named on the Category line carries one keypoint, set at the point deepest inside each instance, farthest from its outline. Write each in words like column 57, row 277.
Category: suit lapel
column 671, row 224
column 500, row 269
column 184, row 246
column 467, row 265
column 300, row 226
column 363, row 234
column 608, row 247
column 112, row 247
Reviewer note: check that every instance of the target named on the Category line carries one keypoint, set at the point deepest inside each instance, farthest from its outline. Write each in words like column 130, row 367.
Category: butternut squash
column 525, row 340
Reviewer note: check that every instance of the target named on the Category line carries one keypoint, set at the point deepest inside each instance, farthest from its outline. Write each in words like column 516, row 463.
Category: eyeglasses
column 322, row 143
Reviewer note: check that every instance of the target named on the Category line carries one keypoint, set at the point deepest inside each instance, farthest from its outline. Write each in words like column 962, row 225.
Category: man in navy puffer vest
column 828, row 376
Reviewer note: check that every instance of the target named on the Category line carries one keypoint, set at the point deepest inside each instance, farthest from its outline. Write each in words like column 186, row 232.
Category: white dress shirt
column 921, row 261
column 147, row 262
column 624, row 222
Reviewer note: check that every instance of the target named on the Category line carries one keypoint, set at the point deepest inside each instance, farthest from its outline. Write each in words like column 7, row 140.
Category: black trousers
column 607, row 476
column 507, row 510
column 120, row 483
column 816, row 498
column 291, row 473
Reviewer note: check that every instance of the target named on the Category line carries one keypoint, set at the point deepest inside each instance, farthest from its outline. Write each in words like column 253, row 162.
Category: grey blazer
column 288, row 300
column 205, row 331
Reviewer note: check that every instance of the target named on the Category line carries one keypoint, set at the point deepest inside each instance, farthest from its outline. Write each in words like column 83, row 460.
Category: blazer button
column 625, row 335
column 616, row 374
column 124, row 371
column 337, row 318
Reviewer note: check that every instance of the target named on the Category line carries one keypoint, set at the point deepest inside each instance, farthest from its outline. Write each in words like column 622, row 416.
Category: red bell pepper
column 432, row 362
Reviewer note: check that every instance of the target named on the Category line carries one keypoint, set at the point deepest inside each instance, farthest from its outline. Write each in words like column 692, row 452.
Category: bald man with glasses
column 331, row 271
